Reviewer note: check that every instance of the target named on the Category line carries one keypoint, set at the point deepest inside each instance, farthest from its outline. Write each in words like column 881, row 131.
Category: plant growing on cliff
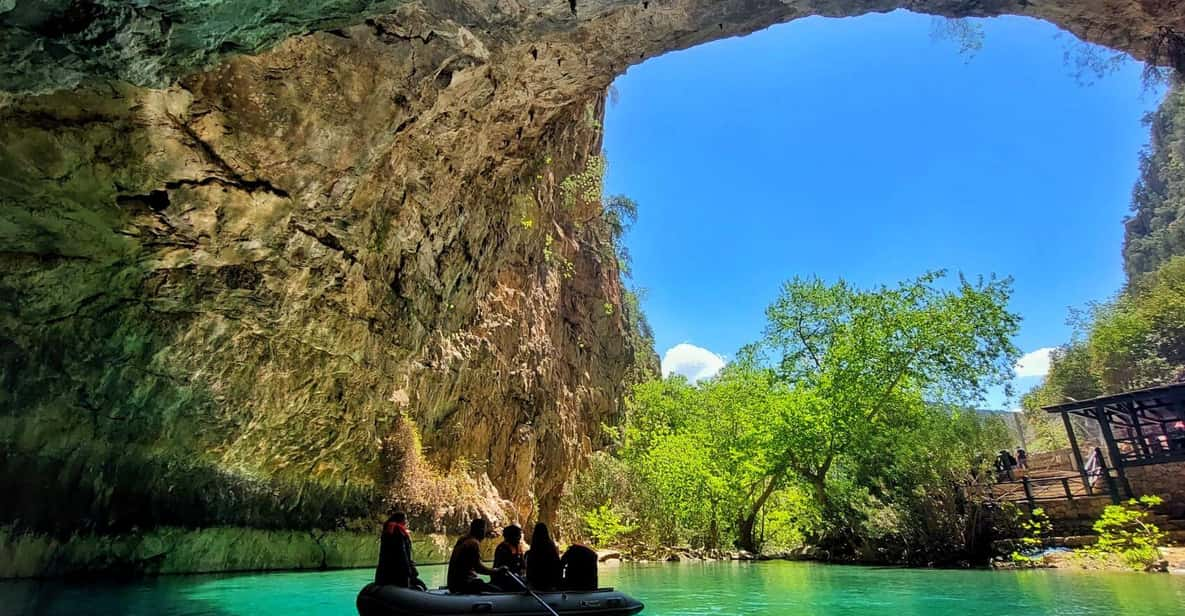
column 586, row 186
column 1127, row 530
column 618, row 214
column 548, row 254
column 965, row 33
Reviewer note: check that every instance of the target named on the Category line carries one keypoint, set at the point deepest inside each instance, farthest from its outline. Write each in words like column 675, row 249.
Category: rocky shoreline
column 1172, row 561
column 1063, row 555
column 173, row 551
column 644, row 554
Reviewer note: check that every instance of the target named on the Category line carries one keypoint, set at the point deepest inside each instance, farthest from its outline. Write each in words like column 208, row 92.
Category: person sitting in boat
column 465, row 564
column 579, row 563
column 544, row 570
column 396, row 567
column 509, row 556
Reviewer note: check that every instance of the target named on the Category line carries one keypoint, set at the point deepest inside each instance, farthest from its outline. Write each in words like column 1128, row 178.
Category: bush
column 605, row 526
column 1035, row 529
column 1127, row 531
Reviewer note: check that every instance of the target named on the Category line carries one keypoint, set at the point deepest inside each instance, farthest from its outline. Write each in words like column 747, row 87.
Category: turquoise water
column 781, row 588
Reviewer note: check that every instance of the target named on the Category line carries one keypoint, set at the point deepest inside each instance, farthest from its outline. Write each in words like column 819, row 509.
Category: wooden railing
column 1086, row 483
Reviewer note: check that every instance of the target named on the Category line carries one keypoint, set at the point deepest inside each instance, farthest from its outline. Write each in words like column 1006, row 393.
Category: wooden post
column 1024, row 481
column 1113, row 449
column 1066, row 487
column 1139, row 432
column 1107, row 478
column 1077, row 453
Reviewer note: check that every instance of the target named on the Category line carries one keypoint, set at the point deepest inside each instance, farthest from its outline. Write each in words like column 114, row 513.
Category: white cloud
column 691, row 361
column 1035, row 363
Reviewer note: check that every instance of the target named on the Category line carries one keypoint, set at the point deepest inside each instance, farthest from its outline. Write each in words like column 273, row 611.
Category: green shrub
column 605, row 526
column 1035, row 529
column 1127, row 531
column 584, row 187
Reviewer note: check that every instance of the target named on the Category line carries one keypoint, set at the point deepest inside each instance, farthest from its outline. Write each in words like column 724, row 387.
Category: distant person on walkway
column 580, row 568
column 396, row 567
column 465, row 563
column 509, row 556
column 544, row 570
column 1004, row 464
column 1022, row 461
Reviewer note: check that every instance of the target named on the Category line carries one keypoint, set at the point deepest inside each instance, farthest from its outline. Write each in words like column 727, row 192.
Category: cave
column 278, row 264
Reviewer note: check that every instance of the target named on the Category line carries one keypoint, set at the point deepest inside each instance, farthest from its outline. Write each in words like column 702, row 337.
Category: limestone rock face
column 285, row 289
column 277, row 264
column 54, row 44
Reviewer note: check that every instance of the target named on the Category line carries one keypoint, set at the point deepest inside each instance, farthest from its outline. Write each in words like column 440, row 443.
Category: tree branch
column 807, row 345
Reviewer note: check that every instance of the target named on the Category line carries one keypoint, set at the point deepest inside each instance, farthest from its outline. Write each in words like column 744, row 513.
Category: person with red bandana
column 396, row 567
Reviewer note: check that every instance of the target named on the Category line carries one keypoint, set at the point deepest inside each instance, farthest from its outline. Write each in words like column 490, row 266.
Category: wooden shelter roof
column 1143, row 399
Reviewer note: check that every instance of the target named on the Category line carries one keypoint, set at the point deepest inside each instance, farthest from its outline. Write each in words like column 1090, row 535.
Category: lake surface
column 781, row 588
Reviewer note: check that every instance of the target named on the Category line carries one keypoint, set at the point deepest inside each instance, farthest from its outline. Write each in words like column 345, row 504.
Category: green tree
column 1154, row 232
column 847, row 366
column 1135, row 340
column 702, row 447
column 848, row 407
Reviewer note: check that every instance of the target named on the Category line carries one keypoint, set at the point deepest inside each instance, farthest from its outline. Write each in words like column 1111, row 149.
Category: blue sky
column 866, row 148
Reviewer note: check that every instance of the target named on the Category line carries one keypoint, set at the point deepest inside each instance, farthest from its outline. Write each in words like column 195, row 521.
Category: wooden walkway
column 1044, row 486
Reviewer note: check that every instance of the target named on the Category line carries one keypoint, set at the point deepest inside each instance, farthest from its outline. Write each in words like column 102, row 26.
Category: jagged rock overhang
column 50, row 45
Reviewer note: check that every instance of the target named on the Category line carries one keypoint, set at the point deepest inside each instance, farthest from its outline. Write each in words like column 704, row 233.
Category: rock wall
column 278, row 291
column 54, row 44
column 364, row 265
column 1071, row 517
column 1164, row 480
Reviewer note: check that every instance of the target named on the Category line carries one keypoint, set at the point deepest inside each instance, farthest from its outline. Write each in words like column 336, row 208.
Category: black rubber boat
column 376, row 600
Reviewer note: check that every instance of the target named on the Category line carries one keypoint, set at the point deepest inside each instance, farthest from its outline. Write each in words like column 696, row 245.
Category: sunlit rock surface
column 279, row 265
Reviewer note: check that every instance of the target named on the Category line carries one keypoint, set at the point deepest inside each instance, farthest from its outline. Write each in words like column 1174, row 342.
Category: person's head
column 477, row 529
column 398, row 516
column 512, row 534
column 541, row 536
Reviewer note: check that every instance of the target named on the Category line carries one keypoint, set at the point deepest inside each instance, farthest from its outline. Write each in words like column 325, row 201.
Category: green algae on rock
column 168, row 550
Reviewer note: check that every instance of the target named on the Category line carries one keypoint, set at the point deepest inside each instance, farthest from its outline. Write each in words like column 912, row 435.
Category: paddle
column 532, row 593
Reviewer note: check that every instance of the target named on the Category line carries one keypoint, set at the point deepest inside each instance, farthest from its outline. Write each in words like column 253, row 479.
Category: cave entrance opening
column 874, row 148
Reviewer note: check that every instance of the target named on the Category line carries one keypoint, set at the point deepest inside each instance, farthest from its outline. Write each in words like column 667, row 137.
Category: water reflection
column 776, row 588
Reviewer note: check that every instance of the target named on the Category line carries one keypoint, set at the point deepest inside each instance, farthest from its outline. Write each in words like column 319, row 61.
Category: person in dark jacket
column 465, row 564
column 396, row 567
column 509, row 556
column 544, row 571
column 1004, row 465
column 580, row 568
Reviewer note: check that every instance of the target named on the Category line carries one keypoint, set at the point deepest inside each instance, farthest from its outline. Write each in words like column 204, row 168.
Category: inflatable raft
column 376, row 600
